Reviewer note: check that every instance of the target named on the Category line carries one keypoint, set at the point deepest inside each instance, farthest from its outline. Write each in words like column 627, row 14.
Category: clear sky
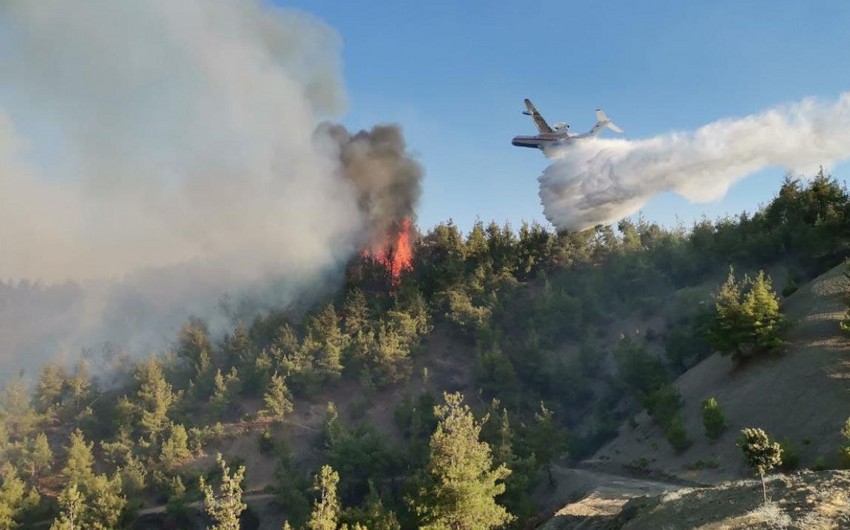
column 454, row 73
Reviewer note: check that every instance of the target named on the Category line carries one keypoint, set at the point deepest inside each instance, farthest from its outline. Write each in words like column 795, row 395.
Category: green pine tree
column 225, row 507
column 460, row 484
column 326, row 508
column 277, row 398
column 761, row 453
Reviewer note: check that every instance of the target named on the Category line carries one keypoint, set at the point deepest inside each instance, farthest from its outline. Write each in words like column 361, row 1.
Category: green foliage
column 761, row 454
column 663, row 405
column 326, row 508
column 676, row 434
column 642, row 372
column 548, row 440
column 460, row 484
column 175, row 449
column 97, row 503
column 71, row 508
column 790, row 455
column 225, row 391
column 154, row 398
column 225, row 506
column 845, row 323
column 14, row 499
column 277, row 398
column 747, row 318
column 712, row 418
column 291, row 487
column 39, row 456
column 79, row 459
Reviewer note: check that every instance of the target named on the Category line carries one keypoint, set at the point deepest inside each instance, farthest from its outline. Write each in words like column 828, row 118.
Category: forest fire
column 395, row 252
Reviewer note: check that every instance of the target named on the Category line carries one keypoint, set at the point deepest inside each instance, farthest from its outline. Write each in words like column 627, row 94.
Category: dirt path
column 601, row 497
column 247, row 499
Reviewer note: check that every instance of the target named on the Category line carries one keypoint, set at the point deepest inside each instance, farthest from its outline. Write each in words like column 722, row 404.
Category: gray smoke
column 602, row 180
column 158, row 155
column 387, row 179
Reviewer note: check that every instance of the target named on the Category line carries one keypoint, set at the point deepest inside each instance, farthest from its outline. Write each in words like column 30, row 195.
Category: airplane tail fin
column 603, row 121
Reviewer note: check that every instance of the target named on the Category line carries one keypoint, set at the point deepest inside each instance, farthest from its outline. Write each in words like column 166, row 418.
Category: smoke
column 385, row 176
column 600, row 180
column 157, row 155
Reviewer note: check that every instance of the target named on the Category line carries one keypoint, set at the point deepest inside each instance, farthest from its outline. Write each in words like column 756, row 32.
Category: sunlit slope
column 802, row 394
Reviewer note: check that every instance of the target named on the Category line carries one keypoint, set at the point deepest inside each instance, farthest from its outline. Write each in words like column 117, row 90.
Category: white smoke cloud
column 160, row 154
column 598, row 181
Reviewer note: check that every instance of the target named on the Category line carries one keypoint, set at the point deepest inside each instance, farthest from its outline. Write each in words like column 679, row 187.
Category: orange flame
column 395, row 253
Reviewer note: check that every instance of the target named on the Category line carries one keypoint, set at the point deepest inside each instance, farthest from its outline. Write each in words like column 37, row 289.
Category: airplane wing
column 542, row 126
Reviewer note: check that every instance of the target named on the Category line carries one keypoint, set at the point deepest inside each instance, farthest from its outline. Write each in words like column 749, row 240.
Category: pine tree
column 105, row 502
column 71, row 506
column 175, row 449
column 712, row 418
column 277, row 398
column 154, row 398
column 747, row 317
column 39, row 456
column 761, row 308
column 548, row 440
column 78, row 467
column 326, row 508
column 460, row 484
column 761, row 453
column 50, row 386
column 226, row 388
column 12, row 491
column 225, row 507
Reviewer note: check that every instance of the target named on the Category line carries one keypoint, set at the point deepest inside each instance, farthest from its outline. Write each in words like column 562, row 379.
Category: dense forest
column 557, row 339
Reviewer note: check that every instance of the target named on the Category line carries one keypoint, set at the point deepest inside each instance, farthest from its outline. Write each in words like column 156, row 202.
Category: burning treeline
column 388, row 184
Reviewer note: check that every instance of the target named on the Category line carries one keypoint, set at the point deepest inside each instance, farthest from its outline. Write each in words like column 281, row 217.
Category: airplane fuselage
column 543, row 141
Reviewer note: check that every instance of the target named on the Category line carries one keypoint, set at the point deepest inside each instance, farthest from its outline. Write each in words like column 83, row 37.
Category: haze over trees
column 504, row 350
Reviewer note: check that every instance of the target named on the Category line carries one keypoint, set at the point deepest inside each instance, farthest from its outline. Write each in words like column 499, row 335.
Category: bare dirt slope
column 802, row 394
column 802, row 501
column 600, row 497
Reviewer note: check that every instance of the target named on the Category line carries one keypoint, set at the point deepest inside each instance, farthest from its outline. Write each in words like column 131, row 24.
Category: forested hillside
column 448, row 384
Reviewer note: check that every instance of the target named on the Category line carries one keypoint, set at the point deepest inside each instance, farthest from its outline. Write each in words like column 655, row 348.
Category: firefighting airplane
column 560, row 134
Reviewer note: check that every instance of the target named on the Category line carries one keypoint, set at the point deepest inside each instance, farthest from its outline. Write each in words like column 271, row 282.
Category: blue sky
column 454, row 73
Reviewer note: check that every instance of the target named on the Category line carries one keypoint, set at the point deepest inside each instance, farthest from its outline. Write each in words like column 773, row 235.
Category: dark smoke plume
column 386, row 178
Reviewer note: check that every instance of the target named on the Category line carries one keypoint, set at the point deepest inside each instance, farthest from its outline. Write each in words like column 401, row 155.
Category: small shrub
column 676, row 435
column 266, row 442
column 712, row 418
column 703, row 464
column 790, row 455
column 663, row 404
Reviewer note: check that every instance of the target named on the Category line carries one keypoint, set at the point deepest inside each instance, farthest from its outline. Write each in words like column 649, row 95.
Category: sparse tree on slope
column 712, row 418
column 225, row 507
column 277, row 398
column 761, row 453
column 747, row 317
column 460, row 484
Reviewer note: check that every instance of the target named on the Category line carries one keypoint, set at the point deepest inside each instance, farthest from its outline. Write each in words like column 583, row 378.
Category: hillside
column 802, row 501
column 800, row 395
